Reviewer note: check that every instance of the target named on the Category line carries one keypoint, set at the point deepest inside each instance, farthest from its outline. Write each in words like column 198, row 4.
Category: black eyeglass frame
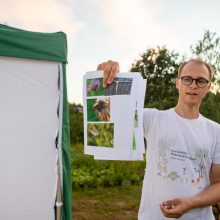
column 205, row 81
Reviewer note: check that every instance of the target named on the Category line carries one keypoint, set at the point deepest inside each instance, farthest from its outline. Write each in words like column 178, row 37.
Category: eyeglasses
column 188, row 80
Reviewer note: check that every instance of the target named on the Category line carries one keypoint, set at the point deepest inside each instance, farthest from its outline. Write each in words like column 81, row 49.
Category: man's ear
column 209, row 86
column 177, row 83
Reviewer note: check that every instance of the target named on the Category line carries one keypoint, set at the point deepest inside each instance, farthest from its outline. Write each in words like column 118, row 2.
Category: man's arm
column 210, row 196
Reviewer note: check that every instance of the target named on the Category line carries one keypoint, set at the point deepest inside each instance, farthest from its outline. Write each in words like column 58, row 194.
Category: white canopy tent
column 34, row 139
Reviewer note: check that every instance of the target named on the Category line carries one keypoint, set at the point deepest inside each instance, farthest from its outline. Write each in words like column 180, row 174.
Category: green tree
column 210, row 107
column 76, row 123
column 208, row 48
column 160, row 67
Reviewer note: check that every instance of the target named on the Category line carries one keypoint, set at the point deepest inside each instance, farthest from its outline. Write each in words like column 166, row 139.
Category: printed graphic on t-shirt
column 173, row 164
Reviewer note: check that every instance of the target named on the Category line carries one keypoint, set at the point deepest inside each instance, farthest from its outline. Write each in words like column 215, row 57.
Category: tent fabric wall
column 29, row 95
column 46, row 47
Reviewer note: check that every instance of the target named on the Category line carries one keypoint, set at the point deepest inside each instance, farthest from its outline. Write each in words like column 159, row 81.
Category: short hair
column 198, row 61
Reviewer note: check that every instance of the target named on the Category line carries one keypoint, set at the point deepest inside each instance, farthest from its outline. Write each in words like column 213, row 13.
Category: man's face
column 192, row 95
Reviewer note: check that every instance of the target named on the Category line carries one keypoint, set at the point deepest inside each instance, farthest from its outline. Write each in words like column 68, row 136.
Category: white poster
column 113, row 122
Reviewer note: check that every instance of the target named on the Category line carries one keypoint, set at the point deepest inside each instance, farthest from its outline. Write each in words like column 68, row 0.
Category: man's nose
column 193, row 84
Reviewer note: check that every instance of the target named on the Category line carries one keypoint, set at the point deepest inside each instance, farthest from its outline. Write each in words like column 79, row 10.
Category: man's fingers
column 171, row 202
column 169, row 212
column 100, row 66
column 106, row 73
column 176, row 208
column 110, row 69
column 114, row 71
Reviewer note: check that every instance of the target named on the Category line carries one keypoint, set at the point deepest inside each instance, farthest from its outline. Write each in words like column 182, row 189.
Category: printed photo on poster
column 98, row 109
column 100, row 134
column 94, row 87
column 120, row 86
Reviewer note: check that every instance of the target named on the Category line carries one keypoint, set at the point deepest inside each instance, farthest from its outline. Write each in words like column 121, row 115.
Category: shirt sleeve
column 149, row 116
column 216, row 158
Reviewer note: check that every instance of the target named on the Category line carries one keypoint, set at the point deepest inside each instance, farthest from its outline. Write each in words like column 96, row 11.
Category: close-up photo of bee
column 98, row 109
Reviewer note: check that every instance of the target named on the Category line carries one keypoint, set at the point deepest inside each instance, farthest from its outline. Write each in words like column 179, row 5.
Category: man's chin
column 193, row 103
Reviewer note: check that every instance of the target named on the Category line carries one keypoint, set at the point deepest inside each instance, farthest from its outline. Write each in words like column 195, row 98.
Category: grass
column 118, row 203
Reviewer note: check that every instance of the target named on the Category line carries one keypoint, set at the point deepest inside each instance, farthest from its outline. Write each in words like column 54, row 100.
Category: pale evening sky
column 98, row 30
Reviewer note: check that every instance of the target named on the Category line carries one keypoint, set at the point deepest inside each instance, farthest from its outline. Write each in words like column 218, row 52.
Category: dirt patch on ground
column 107, row 204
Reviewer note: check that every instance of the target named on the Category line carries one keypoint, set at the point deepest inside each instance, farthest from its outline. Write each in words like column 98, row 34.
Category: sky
column 120, row 30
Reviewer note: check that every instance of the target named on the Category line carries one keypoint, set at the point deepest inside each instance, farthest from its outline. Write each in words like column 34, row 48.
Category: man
column 182, row 178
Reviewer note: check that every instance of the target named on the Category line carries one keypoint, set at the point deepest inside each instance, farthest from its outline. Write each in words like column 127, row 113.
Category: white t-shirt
column 180, row 152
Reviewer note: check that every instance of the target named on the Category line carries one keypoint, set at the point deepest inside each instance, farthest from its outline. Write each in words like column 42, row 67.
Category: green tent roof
column 33, row 45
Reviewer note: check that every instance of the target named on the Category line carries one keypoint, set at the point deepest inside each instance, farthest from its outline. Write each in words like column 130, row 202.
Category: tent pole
column 59, row 195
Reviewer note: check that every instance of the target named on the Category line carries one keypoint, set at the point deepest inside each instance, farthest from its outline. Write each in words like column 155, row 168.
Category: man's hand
column 110, row 69
column 176, row 208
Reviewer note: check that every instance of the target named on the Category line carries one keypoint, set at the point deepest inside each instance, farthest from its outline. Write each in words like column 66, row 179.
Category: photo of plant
column 94, row 87
column 134, row 142
column 98, row 109
column 100, row 134
column 136, row 119
column 120, row 86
